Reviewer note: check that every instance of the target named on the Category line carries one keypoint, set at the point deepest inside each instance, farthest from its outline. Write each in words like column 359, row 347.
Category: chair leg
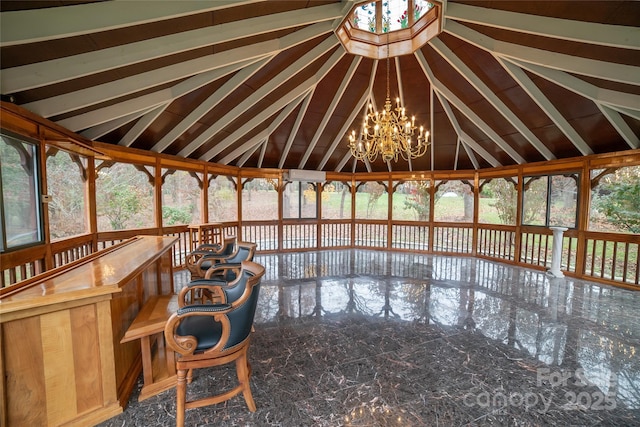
column 189, row 376
column 243, row 370
column 181, row 396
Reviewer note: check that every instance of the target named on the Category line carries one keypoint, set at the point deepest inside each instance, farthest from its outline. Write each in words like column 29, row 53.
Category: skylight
column 395, row 15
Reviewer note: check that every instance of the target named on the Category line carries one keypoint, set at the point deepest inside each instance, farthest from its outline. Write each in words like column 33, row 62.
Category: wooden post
column 92, row 206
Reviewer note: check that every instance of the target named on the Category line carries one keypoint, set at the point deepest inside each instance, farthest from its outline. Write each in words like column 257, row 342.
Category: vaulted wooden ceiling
column 268, row 83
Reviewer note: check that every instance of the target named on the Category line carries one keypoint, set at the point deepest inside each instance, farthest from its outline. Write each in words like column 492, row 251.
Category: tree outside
column 615, row 201
column 65, row 184
column 124, row 197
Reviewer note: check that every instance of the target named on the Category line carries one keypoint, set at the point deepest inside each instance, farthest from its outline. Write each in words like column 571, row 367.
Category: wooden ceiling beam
column 258, row 95
column 583, row 88
column 71, row 67
column 118, row 88
column 252, row 146
column 620, row 126
column 468, row 112
column 620, row 36
column 276, row 106
column 249, row 126
column 36, row 25
column 330, row 110
column 344, row 129
column 462, row 135
column 144, row 102
column 208, row 104
column 615, row 72
column 490, row 96
column 104, row 128
column 296, row 126
column 545, row 105
column 141, row 125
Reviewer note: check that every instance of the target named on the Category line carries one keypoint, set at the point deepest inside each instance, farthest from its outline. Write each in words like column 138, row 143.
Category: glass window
column 181, row 197
column 299, row 200
column 396, row 15
column 550, row 200
column 563, row 201
column 411, row 201
column 453, row 201
column 223, row 199
column 66, row 184
column 498, row 203
column 336, row 200
column 259, row 199
column 364, row 17
column 20, row 191
column 615, row 200
column 372, row 200
column 124, row 196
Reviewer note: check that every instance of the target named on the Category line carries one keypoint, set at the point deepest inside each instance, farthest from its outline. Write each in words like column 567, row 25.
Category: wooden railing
column 263, row 233
column 453, row 238
column 536, row 244
column 301, row 234
column 410, row 236
column 607, row 257
column 497, row 242
column 335, row 233
column 613, row 257
column 370, row 234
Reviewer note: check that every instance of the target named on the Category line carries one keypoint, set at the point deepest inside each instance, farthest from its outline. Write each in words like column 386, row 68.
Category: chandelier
column 388, row 133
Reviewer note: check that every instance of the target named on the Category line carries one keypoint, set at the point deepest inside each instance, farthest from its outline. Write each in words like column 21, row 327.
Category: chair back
column 228, row 246
column 244, row 252
column 241, row 299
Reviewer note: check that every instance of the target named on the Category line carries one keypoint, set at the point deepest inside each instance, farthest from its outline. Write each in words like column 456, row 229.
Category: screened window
column 615, row 200
column 336, row 200
column 300, row 200
column 259, row 199
column 411, row 201
column 66, row 184
column 20, row 212
column 124, row 196
column 372, row 200
column 181, row 192
column 453, row 201
column 223, row 199
column 498, row 202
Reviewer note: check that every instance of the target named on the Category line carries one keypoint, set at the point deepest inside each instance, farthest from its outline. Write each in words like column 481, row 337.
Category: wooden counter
column 61, row 355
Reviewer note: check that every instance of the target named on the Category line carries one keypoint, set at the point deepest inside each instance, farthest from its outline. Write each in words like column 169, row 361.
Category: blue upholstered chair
column 207, row 335
column 206, row 266
column 225, row 249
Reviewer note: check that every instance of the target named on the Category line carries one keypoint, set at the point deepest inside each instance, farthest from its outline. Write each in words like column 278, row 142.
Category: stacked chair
column 214, row 321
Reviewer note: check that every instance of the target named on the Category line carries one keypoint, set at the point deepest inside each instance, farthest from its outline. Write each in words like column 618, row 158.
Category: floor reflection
column 564, row 323
column 371, row 338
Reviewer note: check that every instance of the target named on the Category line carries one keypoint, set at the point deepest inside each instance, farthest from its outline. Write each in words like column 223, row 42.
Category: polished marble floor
column 369, row 338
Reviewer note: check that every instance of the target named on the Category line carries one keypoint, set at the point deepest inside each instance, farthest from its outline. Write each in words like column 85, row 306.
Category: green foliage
column 418, row 200
column 505, row 199
column 122, row 195
column 620, row 203
column 175, row 215
column 120, row 204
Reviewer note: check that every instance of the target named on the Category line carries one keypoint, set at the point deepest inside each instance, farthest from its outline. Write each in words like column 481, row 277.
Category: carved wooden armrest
column 187, row 344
